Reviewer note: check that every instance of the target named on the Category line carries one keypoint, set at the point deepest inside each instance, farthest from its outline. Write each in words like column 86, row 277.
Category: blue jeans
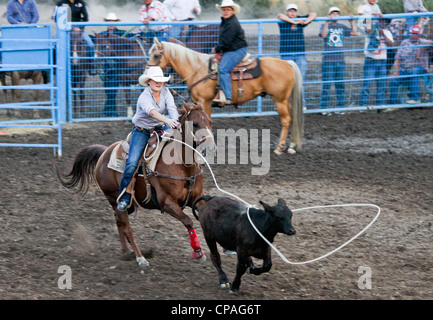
column 374, row 68
column 111, row 80
column 139, row 139
column 333, row 71
column 175, row 31
column 228, row 62
column 302, row 63
column 85, row 36
column 414, row 84
column 138, row 143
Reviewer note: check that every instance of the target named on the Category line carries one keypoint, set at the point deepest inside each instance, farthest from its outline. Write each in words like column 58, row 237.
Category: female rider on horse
column 231, row 44
column 153, row 103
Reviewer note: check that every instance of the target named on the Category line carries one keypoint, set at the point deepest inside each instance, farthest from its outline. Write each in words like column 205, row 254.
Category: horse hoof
column 142, row 262
column 199, row 255
column 291, row 151
column 202, row 258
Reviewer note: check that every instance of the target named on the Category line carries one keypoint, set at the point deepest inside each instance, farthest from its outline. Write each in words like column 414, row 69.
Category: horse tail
column 296, row 111
column 205, row 198
column 83, row 168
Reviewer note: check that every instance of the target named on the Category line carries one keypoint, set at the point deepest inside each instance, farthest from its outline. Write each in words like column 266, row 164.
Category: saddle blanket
column 119, row 155
column 251, row 71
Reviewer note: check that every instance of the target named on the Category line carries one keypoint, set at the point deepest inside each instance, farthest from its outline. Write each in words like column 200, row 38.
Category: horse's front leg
column 172, row 208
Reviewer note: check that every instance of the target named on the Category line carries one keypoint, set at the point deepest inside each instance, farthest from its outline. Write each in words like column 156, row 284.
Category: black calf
column 225, row 221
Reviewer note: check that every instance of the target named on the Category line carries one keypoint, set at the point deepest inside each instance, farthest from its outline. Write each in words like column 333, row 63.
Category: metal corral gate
column 29, row 49
column 263, row 37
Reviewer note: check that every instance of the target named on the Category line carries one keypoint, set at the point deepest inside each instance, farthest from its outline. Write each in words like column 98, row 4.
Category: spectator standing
column 292, row 42
column 22, row 12
column 154, row 10
column 232, row 45
column 182, row 10
column 78, row 14
column 413, row 6
column 375, row 50
column 411, row 60
column 370, row 8
column 333, row 64
column 110, row 76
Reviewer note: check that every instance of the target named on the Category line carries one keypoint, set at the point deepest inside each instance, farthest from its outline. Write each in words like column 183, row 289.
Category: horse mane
column 184, row 54
column 191, row 107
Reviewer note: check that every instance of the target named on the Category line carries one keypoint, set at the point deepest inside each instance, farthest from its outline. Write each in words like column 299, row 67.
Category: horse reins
column 191, row 179
column 184, row 80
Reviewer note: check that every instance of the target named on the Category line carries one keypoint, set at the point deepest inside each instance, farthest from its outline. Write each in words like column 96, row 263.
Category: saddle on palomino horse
column 248, row 68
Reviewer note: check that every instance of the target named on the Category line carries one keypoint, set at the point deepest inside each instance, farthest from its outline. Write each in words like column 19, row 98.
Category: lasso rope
column 295, row 210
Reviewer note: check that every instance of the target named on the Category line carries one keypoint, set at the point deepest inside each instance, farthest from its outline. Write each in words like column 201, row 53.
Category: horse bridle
column 183, row 80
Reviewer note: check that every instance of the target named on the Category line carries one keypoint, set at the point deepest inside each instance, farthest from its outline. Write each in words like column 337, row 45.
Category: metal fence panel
column 27, row 52
column 331, row 80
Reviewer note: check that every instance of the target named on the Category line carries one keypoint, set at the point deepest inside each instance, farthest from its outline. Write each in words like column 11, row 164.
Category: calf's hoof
column 225, row 285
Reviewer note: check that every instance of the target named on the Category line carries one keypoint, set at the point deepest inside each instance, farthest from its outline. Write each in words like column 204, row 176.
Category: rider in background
column 231, row 44
column 155, row 101
column 78, row 14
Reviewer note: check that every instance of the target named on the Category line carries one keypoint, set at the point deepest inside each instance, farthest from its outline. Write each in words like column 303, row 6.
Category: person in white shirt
column 182, row 10
column 413, row 6
column 370, row 8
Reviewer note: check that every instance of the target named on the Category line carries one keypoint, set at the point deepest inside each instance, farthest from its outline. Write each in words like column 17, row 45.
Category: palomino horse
column 128, row 54
column 280, row 79
column 174, row 184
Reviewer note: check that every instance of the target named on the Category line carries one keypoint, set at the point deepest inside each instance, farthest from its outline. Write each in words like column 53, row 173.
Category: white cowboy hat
column 153, row 73
column 291, row 6
column 111, row 17
column 229, row 3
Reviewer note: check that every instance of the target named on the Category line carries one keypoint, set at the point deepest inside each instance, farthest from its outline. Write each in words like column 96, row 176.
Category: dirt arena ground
column 384, row 159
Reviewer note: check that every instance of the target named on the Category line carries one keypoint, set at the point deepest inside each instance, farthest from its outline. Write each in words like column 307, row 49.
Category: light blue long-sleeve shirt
column 146, row 102
column 27, row 12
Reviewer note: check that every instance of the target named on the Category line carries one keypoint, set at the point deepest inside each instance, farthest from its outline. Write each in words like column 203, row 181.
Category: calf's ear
column 267, row 207
column 281, row 201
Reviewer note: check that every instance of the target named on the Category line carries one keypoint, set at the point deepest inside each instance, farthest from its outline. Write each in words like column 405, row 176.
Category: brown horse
column 280, row 79
column 201, row 38
column 128, row 54
column 173, row 186
column 16, row 77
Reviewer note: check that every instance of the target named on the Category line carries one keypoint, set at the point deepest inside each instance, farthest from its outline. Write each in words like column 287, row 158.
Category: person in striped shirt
column 154, row 10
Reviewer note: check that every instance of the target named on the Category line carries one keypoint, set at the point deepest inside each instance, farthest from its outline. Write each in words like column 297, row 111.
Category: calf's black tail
column 205, row 198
